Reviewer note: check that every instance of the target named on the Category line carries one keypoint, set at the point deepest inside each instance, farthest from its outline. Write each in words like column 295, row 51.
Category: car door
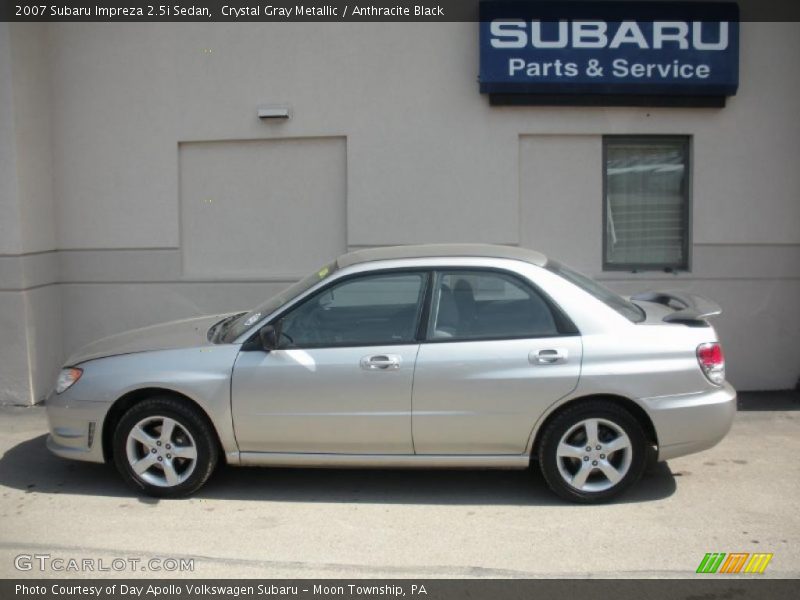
column 340, row 381
column 497, row 353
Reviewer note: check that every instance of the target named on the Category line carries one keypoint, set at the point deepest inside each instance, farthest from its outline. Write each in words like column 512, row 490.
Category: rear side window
column 627, row 309
column 475, row 305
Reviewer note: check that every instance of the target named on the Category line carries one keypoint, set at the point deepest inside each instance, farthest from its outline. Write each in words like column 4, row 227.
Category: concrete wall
column 238, row 194
column 130, row 142
column 30, row 303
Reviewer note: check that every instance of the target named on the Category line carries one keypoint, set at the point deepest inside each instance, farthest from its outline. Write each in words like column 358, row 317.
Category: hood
column 185, row 333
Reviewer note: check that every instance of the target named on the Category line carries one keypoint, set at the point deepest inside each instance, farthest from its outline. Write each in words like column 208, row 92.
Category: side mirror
column 269, row 336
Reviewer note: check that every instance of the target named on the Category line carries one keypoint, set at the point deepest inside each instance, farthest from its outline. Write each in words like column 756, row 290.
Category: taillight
column 712, row 362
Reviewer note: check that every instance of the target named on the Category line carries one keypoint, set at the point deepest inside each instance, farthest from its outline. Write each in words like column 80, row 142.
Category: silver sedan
column 415, row 356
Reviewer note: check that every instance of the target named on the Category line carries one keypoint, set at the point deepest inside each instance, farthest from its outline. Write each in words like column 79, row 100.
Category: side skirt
column 384, row 461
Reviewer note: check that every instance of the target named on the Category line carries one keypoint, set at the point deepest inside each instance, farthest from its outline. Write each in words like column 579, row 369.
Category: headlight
column 67, row 378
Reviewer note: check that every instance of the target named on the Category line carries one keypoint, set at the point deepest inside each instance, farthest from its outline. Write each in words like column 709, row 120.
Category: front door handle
column 381, row 362
column 549, row 356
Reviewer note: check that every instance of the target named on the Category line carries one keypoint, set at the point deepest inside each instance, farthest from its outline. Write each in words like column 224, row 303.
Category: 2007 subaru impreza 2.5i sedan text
column 414, row 356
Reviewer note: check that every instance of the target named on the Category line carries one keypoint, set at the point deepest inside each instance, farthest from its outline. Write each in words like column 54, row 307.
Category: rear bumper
column 76, row 428
column 690, row 423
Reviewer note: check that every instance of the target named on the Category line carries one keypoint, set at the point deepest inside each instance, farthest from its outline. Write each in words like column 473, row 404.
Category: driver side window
column 371, row 310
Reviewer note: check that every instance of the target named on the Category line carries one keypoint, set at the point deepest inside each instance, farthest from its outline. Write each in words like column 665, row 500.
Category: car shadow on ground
column 30, row 467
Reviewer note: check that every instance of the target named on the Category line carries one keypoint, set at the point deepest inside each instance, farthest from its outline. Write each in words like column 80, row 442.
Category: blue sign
column 609, row 48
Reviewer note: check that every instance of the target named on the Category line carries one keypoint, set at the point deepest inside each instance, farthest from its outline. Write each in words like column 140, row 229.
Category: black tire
column 565, row 422
column 189, row 420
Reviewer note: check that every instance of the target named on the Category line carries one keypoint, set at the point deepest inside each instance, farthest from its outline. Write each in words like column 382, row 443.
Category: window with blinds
column 646, row 183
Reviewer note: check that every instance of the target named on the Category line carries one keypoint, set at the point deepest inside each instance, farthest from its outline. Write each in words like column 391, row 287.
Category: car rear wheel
column 164, row 447
column 592, row 452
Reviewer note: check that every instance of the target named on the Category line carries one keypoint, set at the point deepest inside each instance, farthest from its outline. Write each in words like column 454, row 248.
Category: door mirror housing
column 269, row 336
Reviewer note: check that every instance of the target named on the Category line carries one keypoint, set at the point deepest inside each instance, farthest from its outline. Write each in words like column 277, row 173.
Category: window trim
column 686, row 213
column 423, row 315
column 558, row 313
column 421, row 304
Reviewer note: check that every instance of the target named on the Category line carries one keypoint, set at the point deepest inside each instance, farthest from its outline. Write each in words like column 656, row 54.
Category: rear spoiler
column 689, row 308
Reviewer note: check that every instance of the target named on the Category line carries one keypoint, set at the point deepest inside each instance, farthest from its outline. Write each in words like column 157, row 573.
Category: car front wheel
column 164, row 447
column 592, row 452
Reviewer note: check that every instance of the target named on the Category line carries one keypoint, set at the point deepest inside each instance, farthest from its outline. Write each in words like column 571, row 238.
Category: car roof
column 441, row 250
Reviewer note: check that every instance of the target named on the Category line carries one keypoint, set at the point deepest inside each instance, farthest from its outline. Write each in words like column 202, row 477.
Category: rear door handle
column 549, row 356
column 381, row 362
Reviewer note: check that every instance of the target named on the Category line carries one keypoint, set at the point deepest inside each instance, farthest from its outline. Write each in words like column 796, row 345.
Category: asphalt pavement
column 741, row 496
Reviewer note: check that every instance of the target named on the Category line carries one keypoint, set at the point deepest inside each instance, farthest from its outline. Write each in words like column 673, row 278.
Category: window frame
column 559, row 316
column 421, row 315
column 686, row 213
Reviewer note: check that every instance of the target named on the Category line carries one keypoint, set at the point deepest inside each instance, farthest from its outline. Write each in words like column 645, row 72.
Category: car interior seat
column 447, row 317
column 464, row 297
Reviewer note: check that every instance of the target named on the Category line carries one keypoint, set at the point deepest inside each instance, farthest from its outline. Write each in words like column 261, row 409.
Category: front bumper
column 689, row 423
column 76, row 428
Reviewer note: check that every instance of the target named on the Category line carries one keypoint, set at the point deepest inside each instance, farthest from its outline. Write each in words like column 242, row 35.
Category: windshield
column 627, row 309
column 243, row 322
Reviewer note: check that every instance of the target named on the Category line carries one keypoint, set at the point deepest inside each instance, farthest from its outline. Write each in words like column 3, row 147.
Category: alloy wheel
column 161, row 451
column 594, row 455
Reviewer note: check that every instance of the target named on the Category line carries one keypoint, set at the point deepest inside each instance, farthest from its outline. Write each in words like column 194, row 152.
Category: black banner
column 701, row 587
column 334, row 10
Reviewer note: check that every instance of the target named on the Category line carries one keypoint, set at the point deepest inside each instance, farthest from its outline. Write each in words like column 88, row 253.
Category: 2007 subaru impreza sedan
column 416, row 356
